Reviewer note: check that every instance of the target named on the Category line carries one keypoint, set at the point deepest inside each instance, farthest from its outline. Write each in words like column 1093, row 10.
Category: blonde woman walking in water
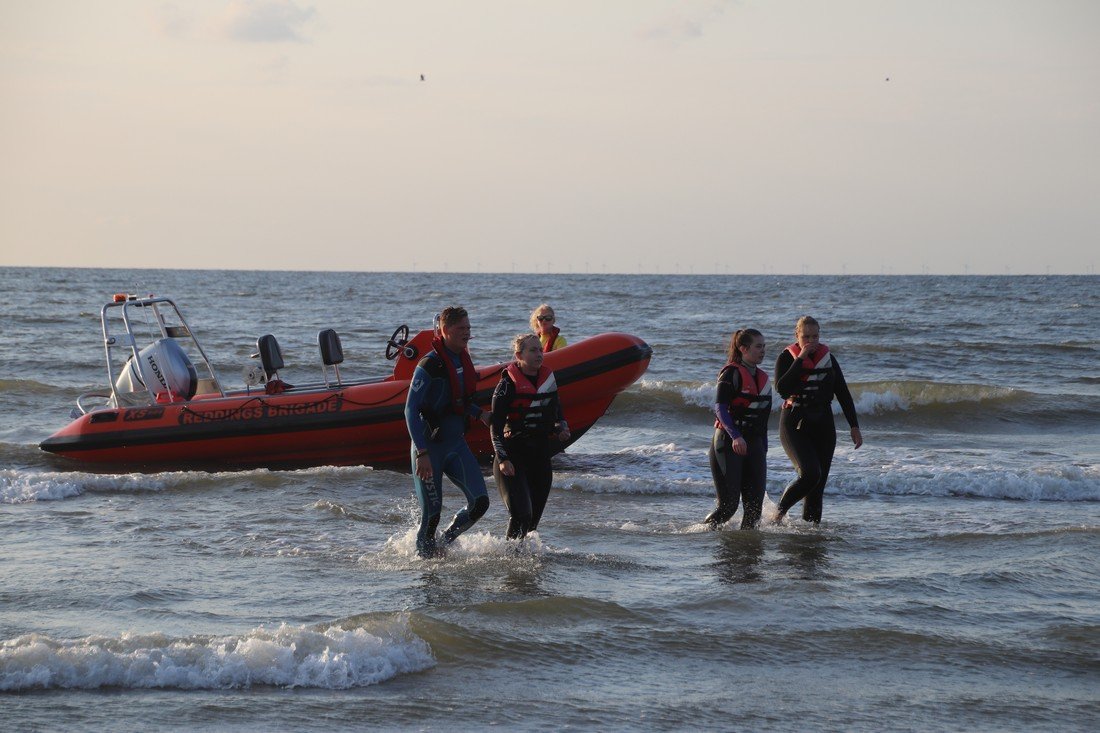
column 808, row 377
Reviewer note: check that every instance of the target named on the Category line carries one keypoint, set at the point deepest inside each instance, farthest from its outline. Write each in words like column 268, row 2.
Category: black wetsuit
column 807, row 431
column 529, row 449
column 736, row 477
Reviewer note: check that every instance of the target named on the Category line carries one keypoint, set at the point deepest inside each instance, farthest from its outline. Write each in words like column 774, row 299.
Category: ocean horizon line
column 571, row 272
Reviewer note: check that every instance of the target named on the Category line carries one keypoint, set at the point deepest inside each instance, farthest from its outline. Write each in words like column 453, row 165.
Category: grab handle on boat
column 84, row 409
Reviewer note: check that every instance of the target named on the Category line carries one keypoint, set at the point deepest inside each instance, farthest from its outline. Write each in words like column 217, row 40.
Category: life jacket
column 532, row 413
column 750, row 407
column 462, row 386
column 548, row 341
column 815, row 372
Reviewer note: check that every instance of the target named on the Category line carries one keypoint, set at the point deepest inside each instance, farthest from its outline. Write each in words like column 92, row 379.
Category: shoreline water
column 952, row 582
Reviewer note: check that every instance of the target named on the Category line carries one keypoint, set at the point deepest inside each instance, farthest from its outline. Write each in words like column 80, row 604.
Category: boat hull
column 354, row 424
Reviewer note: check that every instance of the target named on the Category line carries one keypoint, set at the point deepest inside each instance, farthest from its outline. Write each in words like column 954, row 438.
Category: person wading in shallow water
column 739, row 448
column 527, row 417
column 808, row 377
column 437, row 412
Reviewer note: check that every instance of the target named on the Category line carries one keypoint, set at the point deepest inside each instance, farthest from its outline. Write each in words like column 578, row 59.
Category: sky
column 759, row 136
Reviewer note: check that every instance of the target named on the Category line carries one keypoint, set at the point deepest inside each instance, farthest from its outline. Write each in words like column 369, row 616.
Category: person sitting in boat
column 526, row 417
column 437, row 411
column 542, row 323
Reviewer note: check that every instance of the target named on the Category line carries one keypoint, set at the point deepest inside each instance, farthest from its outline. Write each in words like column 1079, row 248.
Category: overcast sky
column 774, row 136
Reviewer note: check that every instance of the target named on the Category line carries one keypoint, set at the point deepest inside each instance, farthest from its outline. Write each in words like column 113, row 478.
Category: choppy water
column 953, row 585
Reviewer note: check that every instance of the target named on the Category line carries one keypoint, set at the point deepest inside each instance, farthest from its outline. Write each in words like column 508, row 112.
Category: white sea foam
column 288, row 656
column 660, row 449
column 17, row 487
column 769, row 512
column 649, row 469
column 484, row 544
column 701, row 396
column 1040, row 482
column 473, row 545
column 339, row 471
column 668, row 469
column 622, row 484
column 873, row 403
column 698, row 395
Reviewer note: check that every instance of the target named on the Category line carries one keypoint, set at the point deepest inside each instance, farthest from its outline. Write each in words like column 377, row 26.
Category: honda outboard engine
column 163, row 368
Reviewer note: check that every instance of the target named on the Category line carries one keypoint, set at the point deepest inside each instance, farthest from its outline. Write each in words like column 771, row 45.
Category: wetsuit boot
column 465, row 519
column 426, row 546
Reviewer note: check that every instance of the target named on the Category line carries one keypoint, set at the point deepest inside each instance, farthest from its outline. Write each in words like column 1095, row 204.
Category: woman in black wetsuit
column 808, row 377
column 526, row 416
column 739, row 448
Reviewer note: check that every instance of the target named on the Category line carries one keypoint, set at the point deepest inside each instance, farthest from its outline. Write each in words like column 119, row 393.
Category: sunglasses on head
column 544, row 318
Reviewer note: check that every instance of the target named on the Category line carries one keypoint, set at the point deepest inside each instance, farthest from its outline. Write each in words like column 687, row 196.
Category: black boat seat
column 271, row 356
column 332, row 353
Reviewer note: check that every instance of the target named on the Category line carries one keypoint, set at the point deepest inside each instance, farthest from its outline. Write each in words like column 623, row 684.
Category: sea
column 954, row 584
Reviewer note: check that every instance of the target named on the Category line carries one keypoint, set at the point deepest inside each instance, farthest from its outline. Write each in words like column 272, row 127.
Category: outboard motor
column 162, row 367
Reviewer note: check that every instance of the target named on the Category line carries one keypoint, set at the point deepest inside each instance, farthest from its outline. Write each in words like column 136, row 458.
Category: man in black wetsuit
column 808, row 377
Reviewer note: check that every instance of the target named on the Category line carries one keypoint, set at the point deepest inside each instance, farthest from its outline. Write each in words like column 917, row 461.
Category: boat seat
column 207, row 386
column 332, row 353
column 270, row 355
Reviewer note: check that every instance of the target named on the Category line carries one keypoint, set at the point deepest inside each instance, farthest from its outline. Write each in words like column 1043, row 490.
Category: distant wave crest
column 288, row 656
column 880, row 397
column 30, row 387
column 870, row 397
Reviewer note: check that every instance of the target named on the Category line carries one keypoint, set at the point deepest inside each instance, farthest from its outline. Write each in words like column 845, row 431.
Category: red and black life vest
column 464, row 384
column 751, row 406
column 548, row 344
column 532, row 413
column 815, row 373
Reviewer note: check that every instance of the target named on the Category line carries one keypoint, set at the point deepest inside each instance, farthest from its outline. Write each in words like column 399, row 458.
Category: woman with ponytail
column 739, row 447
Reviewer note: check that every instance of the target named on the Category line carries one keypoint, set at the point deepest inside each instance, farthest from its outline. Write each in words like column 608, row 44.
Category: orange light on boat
column 120, row 297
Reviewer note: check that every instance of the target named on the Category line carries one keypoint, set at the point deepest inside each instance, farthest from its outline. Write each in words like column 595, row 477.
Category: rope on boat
column 222, row 416
column 231, row 414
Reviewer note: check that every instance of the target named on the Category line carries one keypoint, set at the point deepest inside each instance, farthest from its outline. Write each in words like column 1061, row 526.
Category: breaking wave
column 18, row 487
column 1049, row 482
column 671, row 469
column 288, row 656
column 917, row 398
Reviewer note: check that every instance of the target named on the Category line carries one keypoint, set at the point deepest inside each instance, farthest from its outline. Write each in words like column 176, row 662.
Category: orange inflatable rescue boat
column 167, row 406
